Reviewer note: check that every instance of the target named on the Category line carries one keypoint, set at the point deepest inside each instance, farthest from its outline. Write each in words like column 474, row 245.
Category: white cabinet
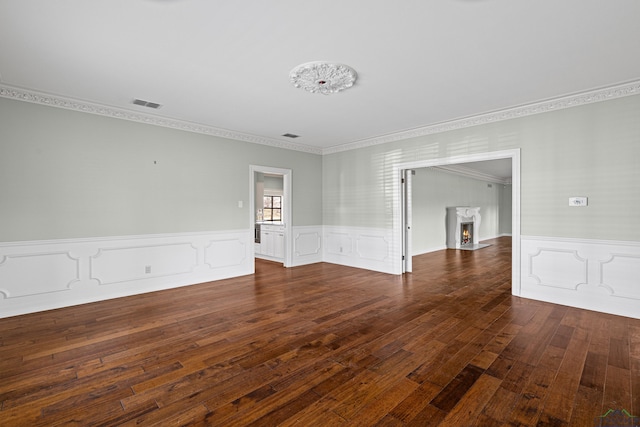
column 271, row 242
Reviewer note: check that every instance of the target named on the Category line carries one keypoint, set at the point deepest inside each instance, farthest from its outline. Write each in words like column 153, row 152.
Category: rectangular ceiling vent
column 146, row 104
column 290, row 135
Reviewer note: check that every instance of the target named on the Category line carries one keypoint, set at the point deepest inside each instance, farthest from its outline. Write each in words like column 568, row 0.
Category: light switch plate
column 578, row 201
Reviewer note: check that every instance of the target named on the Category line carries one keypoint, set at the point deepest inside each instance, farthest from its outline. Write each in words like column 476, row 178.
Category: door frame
column 400, row 204
column 407, row 219
column 287, row 211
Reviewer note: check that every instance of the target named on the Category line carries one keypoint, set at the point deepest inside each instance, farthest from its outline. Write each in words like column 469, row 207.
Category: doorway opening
column 270, row 214
column 402, row 217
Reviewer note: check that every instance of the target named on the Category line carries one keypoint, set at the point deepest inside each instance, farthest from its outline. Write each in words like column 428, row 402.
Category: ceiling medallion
column 322, row 77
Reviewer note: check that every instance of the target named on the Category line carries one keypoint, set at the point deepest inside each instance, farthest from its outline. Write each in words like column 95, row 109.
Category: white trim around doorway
column 398, row 231
column 286, row 174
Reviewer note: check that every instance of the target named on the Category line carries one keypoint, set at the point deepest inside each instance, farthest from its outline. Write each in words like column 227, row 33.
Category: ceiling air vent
column 290, row 135
column 146, row 104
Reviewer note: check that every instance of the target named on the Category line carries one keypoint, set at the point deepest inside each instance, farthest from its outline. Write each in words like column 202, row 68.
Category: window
column 272, row 208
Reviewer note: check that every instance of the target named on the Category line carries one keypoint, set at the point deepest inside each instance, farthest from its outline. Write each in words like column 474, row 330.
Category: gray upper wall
column 592, row 150
column 67, row 174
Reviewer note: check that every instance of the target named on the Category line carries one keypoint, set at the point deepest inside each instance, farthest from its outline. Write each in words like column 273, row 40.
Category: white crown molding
column 583, row 98
column 11, row 92
column 574, row 100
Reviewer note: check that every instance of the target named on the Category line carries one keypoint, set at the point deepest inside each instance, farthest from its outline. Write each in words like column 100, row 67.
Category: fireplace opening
column 463, row 228
column 466, row 233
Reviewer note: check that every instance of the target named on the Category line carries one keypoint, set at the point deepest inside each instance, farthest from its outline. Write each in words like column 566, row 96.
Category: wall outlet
column 147, row 269
column 578, row 201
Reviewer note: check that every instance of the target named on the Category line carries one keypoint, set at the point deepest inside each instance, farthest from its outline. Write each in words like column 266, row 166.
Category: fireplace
column 463, row 226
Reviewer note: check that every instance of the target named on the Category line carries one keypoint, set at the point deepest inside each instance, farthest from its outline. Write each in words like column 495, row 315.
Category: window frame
column 271, row 208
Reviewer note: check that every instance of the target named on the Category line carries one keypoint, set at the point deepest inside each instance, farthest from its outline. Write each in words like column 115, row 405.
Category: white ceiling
column 225, row 64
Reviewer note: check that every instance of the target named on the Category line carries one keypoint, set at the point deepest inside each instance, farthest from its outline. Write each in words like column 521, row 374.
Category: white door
column 407, row 258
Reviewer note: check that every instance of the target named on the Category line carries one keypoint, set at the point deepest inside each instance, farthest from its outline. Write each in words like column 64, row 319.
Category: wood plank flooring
column 324, row 345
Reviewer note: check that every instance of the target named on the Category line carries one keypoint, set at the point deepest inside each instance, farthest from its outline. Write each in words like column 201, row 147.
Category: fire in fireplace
column 466, row 233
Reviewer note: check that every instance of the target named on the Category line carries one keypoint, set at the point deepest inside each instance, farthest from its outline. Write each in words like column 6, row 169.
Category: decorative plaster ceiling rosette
column 322, row 77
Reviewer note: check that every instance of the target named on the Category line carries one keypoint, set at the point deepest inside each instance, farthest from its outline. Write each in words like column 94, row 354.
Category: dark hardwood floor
column 324, row 345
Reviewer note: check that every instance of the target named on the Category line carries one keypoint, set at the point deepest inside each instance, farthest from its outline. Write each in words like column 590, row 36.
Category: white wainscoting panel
column 43, row 275
column 369, row 248
column 126, row 264
column 560, row 268
column 39, row 273
column 591, row 274
column 620, row 274
column 226, row 252
column 307, row 245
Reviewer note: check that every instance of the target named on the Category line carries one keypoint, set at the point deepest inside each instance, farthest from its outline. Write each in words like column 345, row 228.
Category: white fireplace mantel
column 457, row 216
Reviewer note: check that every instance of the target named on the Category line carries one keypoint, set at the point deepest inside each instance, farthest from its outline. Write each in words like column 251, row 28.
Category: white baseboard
column 497, row 236
column 591, row 274
column 270, row 258
column 429, row 250
column 43, row 275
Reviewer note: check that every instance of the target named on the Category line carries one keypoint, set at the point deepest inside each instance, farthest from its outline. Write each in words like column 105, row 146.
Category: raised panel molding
column 339, row 243
column 368, row 248
column 599, row 275
column 543, row 268
column 37, row 273
column 43, row 275
column 307, row 245
column 125, row 264
column 620, row 275
column 375, row 248
column 225, row 253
